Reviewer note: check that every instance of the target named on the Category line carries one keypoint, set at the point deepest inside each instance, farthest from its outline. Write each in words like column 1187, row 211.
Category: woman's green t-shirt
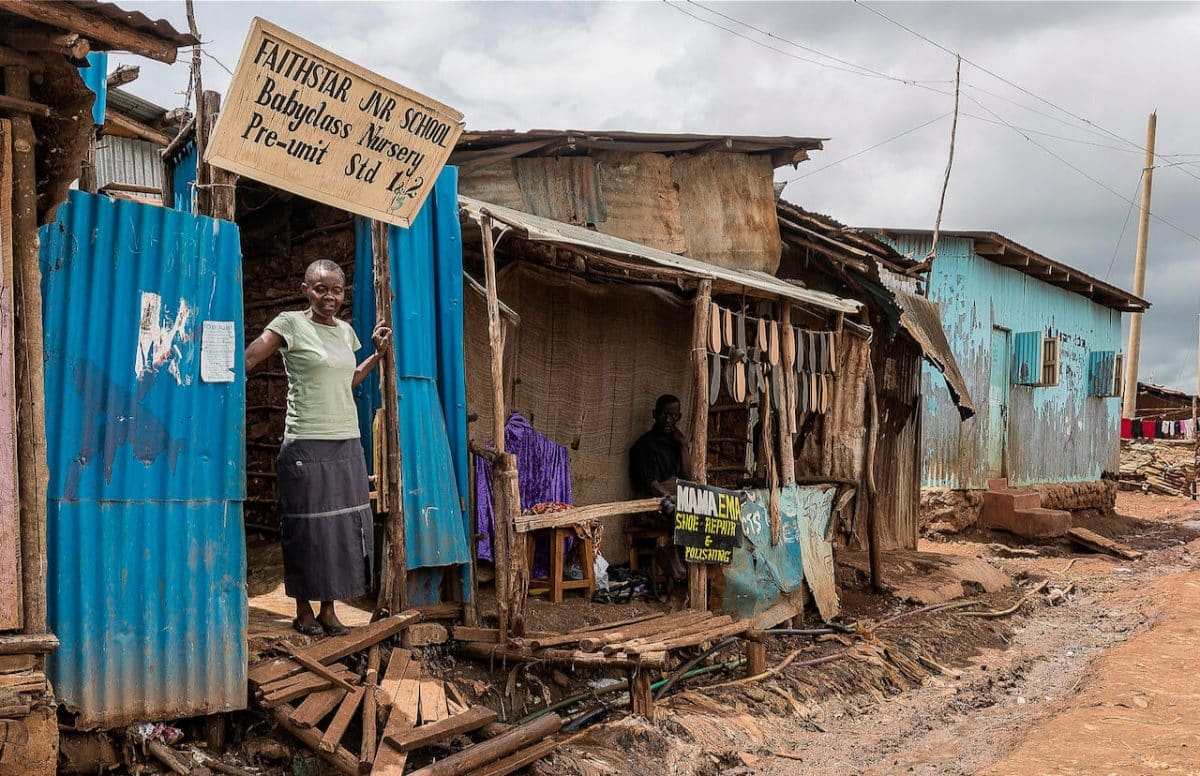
column 320, row 369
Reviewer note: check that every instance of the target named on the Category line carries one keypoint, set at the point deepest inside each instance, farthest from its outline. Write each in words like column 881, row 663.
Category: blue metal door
column 998, row 389
column 145, row 443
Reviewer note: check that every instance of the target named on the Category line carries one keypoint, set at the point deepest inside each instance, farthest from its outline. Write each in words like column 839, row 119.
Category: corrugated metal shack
column 1042, row 342
column 823, row 253
column 46, row 124
column 609, row 250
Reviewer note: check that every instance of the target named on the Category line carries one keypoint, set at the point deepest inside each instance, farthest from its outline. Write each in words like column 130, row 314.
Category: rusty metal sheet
column 727, row 210
column 921, row 319
column 146, row 554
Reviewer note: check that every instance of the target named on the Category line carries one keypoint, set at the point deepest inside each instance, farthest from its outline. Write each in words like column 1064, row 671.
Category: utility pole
column 1134, row 350
column 1195, row 413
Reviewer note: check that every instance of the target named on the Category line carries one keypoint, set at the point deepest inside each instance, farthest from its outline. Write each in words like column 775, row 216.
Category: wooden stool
column 556, row 584
column 661, row 537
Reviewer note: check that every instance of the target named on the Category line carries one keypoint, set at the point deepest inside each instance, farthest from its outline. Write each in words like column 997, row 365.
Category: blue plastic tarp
column 95, row 75
column 427, row 317
column 760, row 573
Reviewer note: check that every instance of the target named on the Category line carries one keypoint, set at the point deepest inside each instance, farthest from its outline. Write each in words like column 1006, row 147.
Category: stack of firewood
column 1160, row 466
column 315, row 694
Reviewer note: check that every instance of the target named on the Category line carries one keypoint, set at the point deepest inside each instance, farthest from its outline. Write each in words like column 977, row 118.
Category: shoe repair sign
column 706, row 522
column 304, row 120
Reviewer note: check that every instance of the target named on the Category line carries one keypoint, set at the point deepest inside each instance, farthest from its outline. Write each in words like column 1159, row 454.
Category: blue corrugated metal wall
column 183, row 176
column 1056, row 433
column 95, row 75
column 428, row 318
column 146, row 572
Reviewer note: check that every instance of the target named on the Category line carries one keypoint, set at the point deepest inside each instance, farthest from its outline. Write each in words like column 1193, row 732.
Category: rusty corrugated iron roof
column 1001, row 250
column 480, row 148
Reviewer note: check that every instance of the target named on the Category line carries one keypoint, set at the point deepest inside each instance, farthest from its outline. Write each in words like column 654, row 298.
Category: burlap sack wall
column 585, row 366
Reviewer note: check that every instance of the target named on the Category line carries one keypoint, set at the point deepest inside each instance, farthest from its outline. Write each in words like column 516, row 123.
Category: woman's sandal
column 334, row 630
column 314, row 629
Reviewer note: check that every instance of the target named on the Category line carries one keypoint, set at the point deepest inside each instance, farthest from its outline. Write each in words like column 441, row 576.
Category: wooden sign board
column 706, row 522
column 305, row 120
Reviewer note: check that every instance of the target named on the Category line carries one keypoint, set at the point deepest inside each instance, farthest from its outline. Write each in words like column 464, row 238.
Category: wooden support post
column 756, row 656
column 10, row 502
column 220, row 198
column 32, row 474
column 393, row 592
column 200, row 129
column 517, row 569
column 87, row 166
column 869, row 475
column 504, row 482
column 698, row 449
column 787, row 413
column 370, row 740
column 640, row 697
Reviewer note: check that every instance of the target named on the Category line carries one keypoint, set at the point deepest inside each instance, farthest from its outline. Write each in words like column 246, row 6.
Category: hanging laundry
column 1126, row 428
column 545, row 468
column 1149, row 429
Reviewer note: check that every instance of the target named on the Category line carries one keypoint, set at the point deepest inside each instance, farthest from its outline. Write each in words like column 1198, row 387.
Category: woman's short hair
column 320, row 267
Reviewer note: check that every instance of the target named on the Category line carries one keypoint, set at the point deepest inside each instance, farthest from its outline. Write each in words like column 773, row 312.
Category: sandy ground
column 1103, row 683
column 1101, row 680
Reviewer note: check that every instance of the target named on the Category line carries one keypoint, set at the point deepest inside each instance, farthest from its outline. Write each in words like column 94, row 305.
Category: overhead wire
column 1125, row 224
column 811, row 50
column 909, row 131
column 1082, row 172
column 1018, row 87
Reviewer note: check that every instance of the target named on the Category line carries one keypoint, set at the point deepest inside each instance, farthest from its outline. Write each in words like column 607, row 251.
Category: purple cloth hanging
column 545, row 475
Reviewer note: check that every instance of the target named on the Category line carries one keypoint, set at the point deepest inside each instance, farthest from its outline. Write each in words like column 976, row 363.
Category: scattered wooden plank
column 396, row 668
column 707, row 623
column 316, row 707
column 388, row 760
column 366, row 752
column 334, row 649
column 1094, row 541
column 341, row 758
column 287, row 694
column 589, row 642
column 315, row 666
column 649, row 659
column 691, row 640
column 526, row 523
column 341, row 720
column 607, row 626
column 472, row 758
column 433, row 701
column 442, row 730
column 519, row 759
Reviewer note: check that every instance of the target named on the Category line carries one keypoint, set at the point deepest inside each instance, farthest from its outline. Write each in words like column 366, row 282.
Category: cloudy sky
column 1086, row 76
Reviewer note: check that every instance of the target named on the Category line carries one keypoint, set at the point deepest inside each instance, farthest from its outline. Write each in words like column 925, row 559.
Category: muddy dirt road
column 1104, row 682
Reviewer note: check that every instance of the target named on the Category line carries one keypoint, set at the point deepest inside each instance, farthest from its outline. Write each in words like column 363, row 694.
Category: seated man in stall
column 657, row 459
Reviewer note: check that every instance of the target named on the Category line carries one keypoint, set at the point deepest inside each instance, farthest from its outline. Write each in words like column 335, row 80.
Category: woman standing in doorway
column 328, row 534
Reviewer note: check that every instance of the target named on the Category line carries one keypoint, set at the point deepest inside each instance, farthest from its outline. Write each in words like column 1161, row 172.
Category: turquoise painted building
column 1039, row 345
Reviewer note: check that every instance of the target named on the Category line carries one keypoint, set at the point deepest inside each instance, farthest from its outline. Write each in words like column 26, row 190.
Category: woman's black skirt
column 328, row 536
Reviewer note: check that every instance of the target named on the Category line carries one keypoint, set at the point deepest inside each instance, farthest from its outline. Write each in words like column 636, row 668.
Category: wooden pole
column 201, row 129
column 869, row 473
column 501, row 552
column 698, row 450
column 87, row 166
column 220, row 198
column 787, row 431
column 1195, row 417
column 32, row 474
column 1134, row 350
column 393, row 592
column 467, row 760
